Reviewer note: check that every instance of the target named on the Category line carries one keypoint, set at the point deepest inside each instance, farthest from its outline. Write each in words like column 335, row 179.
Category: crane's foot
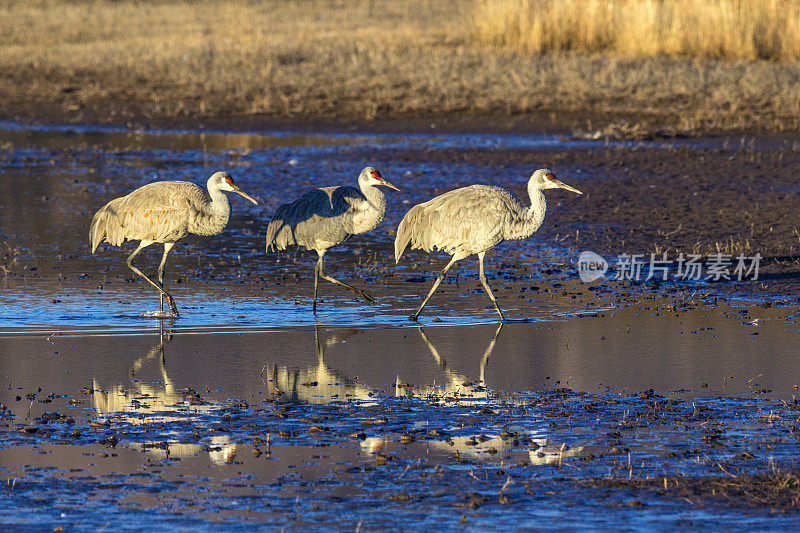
column 366, row 296
column 160, row 315
column 172, row 307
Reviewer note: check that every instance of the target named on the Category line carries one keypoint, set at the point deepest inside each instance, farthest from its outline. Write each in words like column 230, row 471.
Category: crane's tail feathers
column 97, row 231
column 272, row 230
column 106, row 227
column 405, row 233
column 279, row 235
column 400, row 245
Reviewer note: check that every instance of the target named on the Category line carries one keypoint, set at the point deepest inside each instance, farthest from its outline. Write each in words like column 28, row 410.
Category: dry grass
column 776, row 490
column 8, row 258
column 727, row 29
column 274, row 56
column 130, row 61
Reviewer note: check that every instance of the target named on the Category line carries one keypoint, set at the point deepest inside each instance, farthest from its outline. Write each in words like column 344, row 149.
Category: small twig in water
column 506, row 484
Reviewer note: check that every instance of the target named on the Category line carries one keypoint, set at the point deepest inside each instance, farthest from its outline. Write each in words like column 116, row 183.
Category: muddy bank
column 28, row 112
column 776, row 490
column 616, row 123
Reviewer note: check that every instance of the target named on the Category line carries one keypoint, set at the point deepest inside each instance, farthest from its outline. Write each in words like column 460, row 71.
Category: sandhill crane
column 472, row 220
column 164, row 212
column 325, row 217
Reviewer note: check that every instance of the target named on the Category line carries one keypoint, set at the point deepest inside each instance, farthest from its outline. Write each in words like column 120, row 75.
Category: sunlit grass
column 726, row 29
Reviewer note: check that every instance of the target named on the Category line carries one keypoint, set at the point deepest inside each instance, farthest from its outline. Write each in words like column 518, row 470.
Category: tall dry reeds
column 719, row 29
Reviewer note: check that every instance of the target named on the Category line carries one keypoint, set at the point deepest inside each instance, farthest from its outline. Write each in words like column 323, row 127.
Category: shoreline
column 613, row 125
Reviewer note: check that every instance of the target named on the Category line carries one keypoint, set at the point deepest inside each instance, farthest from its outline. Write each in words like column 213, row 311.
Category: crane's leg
column 129, row 262
column 320, row 349
column 488, row 352
column 486, row 285
column 434, row 352
column 317, row 270
column 365, row 295
column 167, row 247
column 158, row 349
column 436, row 283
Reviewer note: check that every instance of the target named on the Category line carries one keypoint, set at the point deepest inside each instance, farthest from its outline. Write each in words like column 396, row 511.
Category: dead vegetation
column 87, row 62
column 778, row 490
column 719, row 29
column 621, row 131
column 8, row 258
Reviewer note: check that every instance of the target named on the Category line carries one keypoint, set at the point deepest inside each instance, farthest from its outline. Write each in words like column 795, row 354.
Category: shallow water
column 114, row 138
column 249, row 410
column 699, row 353
column 336, row 427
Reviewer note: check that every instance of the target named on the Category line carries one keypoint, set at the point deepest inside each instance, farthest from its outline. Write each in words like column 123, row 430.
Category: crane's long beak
column 384, row 182
column 240, row 191
column 563, row 185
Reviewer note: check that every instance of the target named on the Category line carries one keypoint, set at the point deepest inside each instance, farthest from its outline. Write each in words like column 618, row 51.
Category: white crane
column 325, row 217
column 164, row 212
column 472, row 220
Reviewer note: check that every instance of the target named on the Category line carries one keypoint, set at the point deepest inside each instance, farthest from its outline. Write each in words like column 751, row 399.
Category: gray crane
column 325, row 217
column 472, row 220
column 164, row 212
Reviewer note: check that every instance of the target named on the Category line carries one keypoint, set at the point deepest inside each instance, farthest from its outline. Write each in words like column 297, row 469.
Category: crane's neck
column 371, row 214
column 375, row 198
column 526, row 220
column 215, row 214
column 538, row 208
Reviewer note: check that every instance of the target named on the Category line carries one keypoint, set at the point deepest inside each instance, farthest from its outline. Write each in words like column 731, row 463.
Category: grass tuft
column 8, row 258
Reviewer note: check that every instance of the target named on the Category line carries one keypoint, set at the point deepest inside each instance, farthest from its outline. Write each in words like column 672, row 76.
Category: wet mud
column 661, row 403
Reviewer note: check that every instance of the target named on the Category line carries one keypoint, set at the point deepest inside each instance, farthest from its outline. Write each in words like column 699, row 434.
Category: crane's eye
column 377, row 175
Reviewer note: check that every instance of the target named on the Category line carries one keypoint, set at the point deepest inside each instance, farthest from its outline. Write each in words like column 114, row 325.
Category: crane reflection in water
column 322, row 383
column 140, row 403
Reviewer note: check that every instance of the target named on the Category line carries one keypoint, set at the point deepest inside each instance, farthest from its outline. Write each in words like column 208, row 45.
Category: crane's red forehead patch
column 229, row 180
column 551, row 177
column 376, row 175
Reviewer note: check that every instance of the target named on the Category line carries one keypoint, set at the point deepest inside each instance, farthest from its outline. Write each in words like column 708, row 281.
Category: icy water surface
column 592, row 406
